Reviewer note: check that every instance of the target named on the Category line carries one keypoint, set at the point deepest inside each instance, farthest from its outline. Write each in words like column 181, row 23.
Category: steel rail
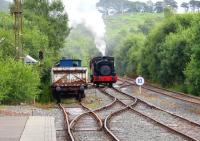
column 158, row 108
column 169, row 95
column 66, row 117
column 180, row 93
column 75, row 120
column 107, row 119
column 158, row 122
column 105, row 127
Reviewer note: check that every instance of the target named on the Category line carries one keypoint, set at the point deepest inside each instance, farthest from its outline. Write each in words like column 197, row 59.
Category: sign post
column 140, row 81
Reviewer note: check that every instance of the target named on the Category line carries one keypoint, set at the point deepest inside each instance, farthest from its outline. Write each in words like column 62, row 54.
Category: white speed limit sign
column 139, row 81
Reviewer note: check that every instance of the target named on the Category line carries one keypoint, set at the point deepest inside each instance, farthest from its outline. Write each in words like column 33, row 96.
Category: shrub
column 18, row 82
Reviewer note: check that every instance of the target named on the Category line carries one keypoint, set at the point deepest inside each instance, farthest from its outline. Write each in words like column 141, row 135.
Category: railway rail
column 159, row 90
column 85, row 123
column 122, row 102
column 176, row 124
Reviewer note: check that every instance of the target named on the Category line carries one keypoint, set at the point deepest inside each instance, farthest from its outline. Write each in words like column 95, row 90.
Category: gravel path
column 129, row 126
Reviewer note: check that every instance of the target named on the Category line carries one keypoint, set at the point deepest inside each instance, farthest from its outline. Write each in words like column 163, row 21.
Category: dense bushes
column 18, row 82
column 170, row 54
column 172, row 50
column 126, row 56
column 44, row 29
column 192, row 71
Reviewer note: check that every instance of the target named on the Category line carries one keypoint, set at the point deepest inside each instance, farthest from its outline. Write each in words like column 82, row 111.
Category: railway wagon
column 103, row 71
column 68, row 78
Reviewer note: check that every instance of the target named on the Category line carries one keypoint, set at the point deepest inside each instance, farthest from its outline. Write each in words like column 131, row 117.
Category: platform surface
column 33, row 128
column 11, row 128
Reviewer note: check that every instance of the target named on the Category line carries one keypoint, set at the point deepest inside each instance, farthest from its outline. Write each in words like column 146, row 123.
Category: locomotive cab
column 103, row 70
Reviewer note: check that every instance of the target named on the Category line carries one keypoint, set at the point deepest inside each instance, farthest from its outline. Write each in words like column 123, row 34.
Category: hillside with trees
column 114, row 7
column 119, row 27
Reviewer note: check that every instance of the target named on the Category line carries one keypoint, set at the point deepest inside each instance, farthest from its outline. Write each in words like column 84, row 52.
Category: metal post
column 17, row 12
column 140, row 90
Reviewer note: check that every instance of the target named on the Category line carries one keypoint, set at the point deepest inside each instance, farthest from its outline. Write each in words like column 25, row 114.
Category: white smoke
column 85, row 12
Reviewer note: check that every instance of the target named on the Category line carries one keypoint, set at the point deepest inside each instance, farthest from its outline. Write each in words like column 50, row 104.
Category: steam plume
column 85, row 12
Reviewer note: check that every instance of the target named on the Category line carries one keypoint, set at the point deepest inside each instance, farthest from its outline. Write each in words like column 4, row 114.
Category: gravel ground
column 129, row 126
column 176, row 123
column 179, row 107
column 16, row 110
column 86, row 129
column 127, row 100
column 105, row 112
column 95, row 99
column 91, row 136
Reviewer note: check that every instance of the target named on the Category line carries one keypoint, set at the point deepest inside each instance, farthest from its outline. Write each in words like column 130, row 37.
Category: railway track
column 87, row 126
column 176, row 124
column 97, row 123
column 166, row 92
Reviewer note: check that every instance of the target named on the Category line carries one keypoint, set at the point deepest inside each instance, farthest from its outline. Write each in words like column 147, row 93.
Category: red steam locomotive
column 103, row 71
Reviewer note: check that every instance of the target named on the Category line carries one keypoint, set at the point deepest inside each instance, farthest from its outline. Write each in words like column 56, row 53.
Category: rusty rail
column 66, row 117
column 177, row 95
column 108, row 118
column 75, row 120
column 158, row 122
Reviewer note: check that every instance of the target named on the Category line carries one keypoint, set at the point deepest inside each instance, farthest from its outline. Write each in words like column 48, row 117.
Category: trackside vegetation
column 44, row 29
column 168, row 54
column 18, row 82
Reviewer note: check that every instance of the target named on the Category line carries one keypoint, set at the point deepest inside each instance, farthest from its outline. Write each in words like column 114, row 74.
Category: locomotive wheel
column 83, row 95
column 110, row 85
column 56, row 96
column 79, row 97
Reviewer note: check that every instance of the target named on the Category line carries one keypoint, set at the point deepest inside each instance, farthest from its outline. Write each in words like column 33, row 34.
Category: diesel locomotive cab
column 103, row 70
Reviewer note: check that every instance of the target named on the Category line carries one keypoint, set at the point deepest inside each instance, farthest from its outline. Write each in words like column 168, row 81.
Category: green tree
column 185, row 5
column 192, row 71
column 167, row 50
column 19, row 82
column 50, row 18
column 126, row 55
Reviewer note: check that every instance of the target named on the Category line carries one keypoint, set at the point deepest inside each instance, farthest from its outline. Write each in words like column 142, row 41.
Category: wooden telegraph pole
column 17, row 13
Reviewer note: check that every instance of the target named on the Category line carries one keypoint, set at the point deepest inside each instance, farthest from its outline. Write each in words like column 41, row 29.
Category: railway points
column 116, row 116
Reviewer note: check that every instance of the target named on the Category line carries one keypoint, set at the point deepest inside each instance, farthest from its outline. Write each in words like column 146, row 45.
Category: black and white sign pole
column 140, row 81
